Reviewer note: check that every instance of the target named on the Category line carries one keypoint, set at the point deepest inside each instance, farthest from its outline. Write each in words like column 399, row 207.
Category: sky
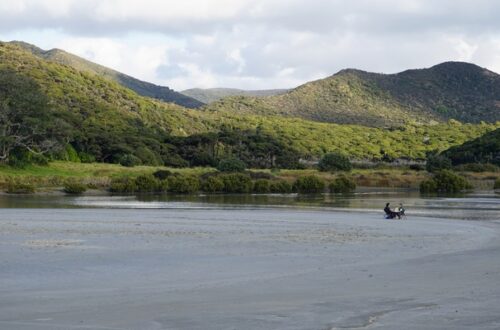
column 258, row 44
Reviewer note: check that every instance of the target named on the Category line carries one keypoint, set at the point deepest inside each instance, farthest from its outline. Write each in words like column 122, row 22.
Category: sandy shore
column 245, row 269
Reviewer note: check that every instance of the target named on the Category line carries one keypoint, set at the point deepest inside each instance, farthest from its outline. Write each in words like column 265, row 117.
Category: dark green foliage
column 231, row 165
column 148, row 183
column 310, row 184
column 129, row 160
column 237, row 183
column 497, row 184
column 262, row 186
column 86, row 157
column 445, row 181
column 74, row 188
column 437, row 163
column 14, row 187
column 69, row 153
column 484, row 149
column 27, row 122
column 203, row 159
column 123, row 185
column 281, row 187
column 213, row 184
column 416, row 167
column 162, row 174
column 334, row 162
column 183, row 184
column 342, row 184
column 477, row 167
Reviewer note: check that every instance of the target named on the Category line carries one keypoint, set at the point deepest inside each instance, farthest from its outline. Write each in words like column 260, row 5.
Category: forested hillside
column 140, row 87
column 54, row 111
column 452, row 90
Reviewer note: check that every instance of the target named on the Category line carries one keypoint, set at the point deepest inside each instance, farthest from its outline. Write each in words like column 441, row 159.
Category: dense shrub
column 231, row 165
column 237, row 183
column 497, row 184
column 477, row 167
column 148, row 183
column 342, row 184
column 213, row 184
column 74, row 187
column 445, row 181
column 281, row 187
column 309, row 184
column 14, row 187
column 259, row 175
column 417, row 167
column 437, row 163
column 334, row 162
column 123, row 185
column 261, row 186
column 86, row 158
column 203, row 159
column 129, row 160
column 183, row 184
column 162, row 174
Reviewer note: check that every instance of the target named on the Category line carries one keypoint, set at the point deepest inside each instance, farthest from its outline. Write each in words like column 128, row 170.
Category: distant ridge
column 209, row 95
column 451, row 90
column 140, row 87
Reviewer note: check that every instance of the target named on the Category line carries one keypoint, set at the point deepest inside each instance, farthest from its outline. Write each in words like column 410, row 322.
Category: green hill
column 104, row 119
column 97, row 119
column 451, row 90
column 209, row 95
column 484, row 149
column 140, row 87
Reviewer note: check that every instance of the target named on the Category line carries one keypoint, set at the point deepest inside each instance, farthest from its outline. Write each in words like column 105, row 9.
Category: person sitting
column 390, row 214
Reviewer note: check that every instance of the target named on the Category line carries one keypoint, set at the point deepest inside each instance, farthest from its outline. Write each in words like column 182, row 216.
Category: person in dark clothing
column 390, row 214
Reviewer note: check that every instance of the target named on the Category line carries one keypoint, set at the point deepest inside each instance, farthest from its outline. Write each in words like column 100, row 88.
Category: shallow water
column 474, row 206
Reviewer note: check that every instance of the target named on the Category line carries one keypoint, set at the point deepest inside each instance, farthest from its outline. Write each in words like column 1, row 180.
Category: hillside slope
column 484, row 149
column 451, row 90
column 106, row 120
column 140, row 87
column 209, row 95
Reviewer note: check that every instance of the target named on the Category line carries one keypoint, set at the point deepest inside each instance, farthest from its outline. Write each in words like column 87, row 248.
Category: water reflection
column 471, row 206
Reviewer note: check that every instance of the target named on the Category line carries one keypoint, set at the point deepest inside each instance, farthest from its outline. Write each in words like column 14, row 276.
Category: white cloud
column 258, row 43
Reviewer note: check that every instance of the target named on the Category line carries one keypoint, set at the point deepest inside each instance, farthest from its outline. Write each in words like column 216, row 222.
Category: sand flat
column 245, row 269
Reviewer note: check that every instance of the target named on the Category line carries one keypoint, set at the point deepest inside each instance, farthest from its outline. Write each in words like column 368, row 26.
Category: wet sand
column 245, row 269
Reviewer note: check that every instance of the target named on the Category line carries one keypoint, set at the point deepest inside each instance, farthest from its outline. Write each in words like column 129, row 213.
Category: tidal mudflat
column 245, row 268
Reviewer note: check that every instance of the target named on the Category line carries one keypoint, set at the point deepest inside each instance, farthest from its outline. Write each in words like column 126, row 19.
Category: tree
column 436, row 163
column 231, row 165
column 334, row 162
column 26, row 121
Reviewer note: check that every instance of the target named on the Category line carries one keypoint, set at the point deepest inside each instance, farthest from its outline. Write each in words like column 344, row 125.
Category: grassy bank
column 99, row 175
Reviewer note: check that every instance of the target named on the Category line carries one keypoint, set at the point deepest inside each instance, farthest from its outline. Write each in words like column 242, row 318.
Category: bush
column 74, row 188
column 309, row 184
column 162, row 174
column 445, row 181
column 148, row 183
column 86, row 158
column 281, row 187
column 231, row 165
column 497, row 184
column 428, row 186
column 334, row 162
column 213, row 184
column 417, row 167
column 203, row 159
column 342, row 184
column 129, row 160
column 237, row 183
column 20, row 188
column 183, row 184
column 437, row 163
column 123, row 185
column 261, row 186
